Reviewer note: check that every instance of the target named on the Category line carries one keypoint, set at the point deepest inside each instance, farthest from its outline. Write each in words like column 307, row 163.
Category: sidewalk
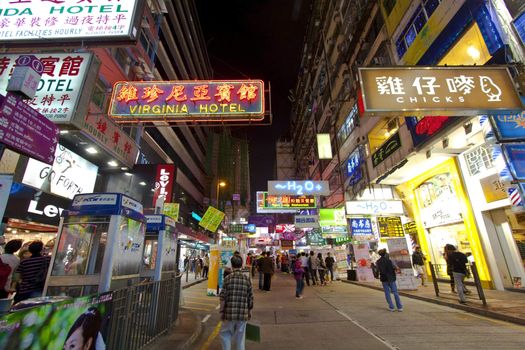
column 501, row 305
column 191, row 280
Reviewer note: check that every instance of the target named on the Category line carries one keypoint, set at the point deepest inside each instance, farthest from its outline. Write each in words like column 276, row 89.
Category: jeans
column 205, row 271
column 306, row 275
column 235, row 330
column 261, row 279
column 267, row 281
column 331, row 271
column 460, row 286
column 321, row 275
column 391, row 287
column 299, row 286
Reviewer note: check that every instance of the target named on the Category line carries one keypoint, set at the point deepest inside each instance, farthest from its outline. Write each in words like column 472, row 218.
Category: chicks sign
column 183, row 101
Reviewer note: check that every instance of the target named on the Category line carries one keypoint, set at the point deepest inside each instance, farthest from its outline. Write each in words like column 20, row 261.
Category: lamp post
column 219, row 185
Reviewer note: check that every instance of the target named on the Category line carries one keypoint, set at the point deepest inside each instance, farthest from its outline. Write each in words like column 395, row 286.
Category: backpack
column 5, row 271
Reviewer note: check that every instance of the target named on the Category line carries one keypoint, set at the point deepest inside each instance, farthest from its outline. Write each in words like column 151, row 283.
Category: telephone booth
column 99, row 245
column 160, row 248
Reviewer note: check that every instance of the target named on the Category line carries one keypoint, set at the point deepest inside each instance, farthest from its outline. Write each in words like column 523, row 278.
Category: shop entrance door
column 503, row 245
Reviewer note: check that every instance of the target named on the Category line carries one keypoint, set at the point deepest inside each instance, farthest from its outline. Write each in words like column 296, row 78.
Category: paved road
column 344, row 316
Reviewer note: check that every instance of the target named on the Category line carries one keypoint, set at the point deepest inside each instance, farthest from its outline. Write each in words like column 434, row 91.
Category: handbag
column 253, row 332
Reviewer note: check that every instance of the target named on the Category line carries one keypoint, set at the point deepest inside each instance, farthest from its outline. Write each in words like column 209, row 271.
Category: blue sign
column 96, row 204
column 361, row 226
column 196, row 216
column 509, row 127
column 353, row 167
column 515, row 155
column 519, row 25
column 251, row 228
column 299, row 188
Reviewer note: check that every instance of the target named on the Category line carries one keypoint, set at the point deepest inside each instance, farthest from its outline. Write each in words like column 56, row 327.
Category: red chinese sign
column 179, row 101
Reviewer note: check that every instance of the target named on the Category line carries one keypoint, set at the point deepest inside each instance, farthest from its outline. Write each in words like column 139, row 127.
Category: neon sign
column 299, row 188
column 179, row 101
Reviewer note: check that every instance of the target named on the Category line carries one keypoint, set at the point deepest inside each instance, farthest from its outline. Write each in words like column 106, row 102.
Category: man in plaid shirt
column 236, row 305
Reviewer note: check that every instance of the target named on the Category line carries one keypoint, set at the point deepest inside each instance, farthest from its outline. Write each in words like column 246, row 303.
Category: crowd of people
column 198, row 265
column 23, row 270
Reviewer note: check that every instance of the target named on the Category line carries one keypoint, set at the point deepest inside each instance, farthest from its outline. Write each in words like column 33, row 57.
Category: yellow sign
column 493, row 188
column 171, row 210
column 212, row 219
column 439, row 91
column 393, row 12
column 213, row 273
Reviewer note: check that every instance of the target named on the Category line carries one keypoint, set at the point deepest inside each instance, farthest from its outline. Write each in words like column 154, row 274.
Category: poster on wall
column 69, row 175
column 224, row 263
column 362, row 258
column 400, row 256
column 55, row 326
column 340, row 261
column 128, row 251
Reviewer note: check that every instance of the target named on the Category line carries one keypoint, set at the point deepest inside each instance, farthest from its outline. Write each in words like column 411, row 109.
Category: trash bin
column 351, row 275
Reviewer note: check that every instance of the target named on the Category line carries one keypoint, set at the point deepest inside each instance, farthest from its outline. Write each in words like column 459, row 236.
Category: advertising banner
column 127, row 253
column 341, row 261
column 424, row 129
column 438, row 91
column 353, row 167
column 61, row 85
column 285, row 228
column 107, row 134
column 41, row 22
column 212, row 219
column 299, row 188
column 400, row 255
column 225, row 262
column 69, row 175
column 55, row 326
column 261, row 220
column 363, row 261
column 332, row 217
column 25, row 130
column 164, row 183
column 315, row 238
column 177, row 101
column 515, row 156
column 361, row 229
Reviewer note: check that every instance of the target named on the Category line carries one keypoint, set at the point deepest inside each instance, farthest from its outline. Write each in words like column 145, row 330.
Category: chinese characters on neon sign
column 182, row 100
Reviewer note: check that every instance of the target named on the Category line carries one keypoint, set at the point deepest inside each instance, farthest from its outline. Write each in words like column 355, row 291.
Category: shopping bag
column 253, row 332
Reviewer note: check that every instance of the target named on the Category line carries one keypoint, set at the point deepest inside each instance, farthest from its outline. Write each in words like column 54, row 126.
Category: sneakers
column 400, row 310
column 299, row 297
column 462, row 302
column 391, row 310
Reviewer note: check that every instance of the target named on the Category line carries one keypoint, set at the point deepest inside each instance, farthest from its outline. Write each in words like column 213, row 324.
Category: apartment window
column 415, row 25
column 348, row 126
column 123, row 59
column 99, row 95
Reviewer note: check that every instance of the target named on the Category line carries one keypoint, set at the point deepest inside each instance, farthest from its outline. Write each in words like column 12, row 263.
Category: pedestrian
column 449, row 248
column 304, row 265
column 186, row 263
column 206, row 266
column 198, row 267
column 373, row 260
column 312, row 267
column 298, row 273
column 418, row 260
column 321, row 268
column 10, row 259
column 387, row 276
column 236, row 303
column 268, row 270
column 33, row 273
column 330, row 261
column 259, row 269
column 459, row 263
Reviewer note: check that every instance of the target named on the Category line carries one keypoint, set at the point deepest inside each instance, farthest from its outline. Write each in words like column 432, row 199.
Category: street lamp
column 219, row 185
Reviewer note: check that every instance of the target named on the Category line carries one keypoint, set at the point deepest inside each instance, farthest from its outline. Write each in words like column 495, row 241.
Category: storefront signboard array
column 299, row 188
column 361, row 229
column 400, row 255
column 390, row 226
column 25, row 130
column 69, row 175
column 363, row 261
column 212, row 219
column 41, row 22
column 509, row 127
column 179, row 101
column 374, row 207
column 438, row 91
column 386, row 149
column 61, row 86
column 306, row 221
column 515, row 156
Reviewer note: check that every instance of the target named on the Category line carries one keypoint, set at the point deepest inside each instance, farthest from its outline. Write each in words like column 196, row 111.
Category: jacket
column 267, row 265
column 236, row 297
column 418, row 259
column 387, row 271
column 458, row 261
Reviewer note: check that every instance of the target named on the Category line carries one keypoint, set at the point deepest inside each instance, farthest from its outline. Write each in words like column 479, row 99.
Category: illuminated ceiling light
column 112, row 163
column 62, row 132
column 124, row 168
column 473, row 52
column 91, row 150
column 142, row 183
column 128, row 174
column 14, row 231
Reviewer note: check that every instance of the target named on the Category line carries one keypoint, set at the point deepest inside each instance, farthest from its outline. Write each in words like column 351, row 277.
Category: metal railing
column 143, row 312
column 437, row 270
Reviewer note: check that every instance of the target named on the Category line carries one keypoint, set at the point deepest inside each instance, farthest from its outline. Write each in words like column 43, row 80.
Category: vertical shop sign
column 164, row 182
column 386, row 150
column 353, row 167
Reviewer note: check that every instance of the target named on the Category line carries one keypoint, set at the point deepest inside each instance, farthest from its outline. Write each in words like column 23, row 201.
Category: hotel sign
column 46, row 21
column 180, row 101
column 451, row 91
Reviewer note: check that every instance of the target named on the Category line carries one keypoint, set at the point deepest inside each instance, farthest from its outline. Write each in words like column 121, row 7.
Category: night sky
column 259, row 39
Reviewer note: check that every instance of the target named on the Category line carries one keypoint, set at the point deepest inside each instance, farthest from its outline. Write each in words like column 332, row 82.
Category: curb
column 193, row 283
column 193, row 338
column 474, row 310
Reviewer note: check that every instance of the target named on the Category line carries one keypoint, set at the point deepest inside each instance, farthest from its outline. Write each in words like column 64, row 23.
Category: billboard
column 283, row 203
column 26, row 22
column 299, row 188
column 69, row 175
column 185, row 101
column 61, row 85
column 438, row 91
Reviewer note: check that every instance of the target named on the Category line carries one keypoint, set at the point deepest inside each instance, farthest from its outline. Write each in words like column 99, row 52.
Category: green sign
column 236, row 228
column 212, row 219
column 342, row 240
column 332, row 217
column 386, row 150
column 315, row 237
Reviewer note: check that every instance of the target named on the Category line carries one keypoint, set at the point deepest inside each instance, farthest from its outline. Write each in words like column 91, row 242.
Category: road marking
column 212, row 336
column 196, row 308
column 386, row 343
column 206, row 318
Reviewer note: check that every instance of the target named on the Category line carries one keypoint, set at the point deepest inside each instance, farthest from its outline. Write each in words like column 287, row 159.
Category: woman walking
column 298, row 272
